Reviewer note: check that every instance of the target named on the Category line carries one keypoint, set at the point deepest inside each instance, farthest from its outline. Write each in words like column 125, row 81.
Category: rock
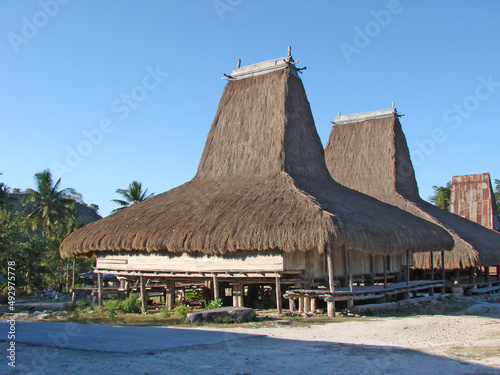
column 483, row 308
column 60, row 313
column 282, row 322
column 222, row 315
column 39, row 315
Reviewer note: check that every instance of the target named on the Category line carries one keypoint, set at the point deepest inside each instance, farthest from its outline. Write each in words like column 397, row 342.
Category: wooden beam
column 385, row 271
column 170, row 295
column 432, row 265
column 443, row 272
column 278, row 296
column 215, row 285
column 99, row 289
column 329, row 262
column 144, row 301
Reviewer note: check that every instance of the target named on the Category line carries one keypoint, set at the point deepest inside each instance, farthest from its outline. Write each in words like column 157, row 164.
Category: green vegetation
column 214, row 304
column 131, row 305
column 181, row 310
column 441, row 196
column 497, row 196
column 31, row 237
column 131, row 196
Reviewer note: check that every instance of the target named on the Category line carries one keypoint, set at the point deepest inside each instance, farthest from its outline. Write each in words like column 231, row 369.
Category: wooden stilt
column 486, row 274
column 99, row 289
column 215, row 285
column 127, row 288
column 385, row 271
column 144, row 301
column 279, row 305
column 472, row 275
column 291, row 303
column 443, row 272
column 457, row 276
column 498, row 272
column 313, row 305
column 307, row 304
column 431, row 290
column 301, row 304
column 170, row 295
column 331, row 281
column 237, row 294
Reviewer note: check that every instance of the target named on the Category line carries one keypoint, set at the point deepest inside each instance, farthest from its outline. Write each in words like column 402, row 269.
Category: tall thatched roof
column 368, row 152
column 262, row 184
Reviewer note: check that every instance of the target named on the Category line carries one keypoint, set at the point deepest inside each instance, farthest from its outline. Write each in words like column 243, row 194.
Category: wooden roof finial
column 289, row 50
column 238, row 64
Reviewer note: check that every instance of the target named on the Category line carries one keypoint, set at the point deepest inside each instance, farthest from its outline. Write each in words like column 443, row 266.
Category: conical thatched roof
column 262, row 184
column 368, row 152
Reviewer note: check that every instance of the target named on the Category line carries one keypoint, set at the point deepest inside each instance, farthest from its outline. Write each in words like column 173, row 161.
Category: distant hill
column 85, row 214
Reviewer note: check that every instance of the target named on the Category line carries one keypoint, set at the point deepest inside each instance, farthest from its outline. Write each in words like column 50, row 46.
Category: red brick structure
column 472, row 198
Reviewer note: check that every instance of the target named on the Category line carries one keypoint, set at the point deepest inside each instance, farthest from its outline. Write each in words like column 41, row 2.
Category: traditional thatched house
column 472, row 197
column 368, row 152
column 262, row 207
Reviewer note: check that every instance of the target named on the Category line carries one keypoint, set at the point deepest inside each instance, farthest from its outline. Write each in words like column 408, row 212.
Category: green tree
column 131, row 196
column 441, row 196
column 48, row 206
column 6, row 200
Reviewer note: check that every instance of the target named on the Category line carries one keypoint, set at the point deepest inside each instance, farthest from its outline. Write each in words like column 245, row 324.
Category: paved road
column 107, row 338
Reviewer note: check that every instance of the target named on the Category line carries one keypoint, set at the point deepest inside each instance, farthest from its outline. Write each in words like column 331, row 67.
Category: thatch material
column 262, row 184
column 372, row 157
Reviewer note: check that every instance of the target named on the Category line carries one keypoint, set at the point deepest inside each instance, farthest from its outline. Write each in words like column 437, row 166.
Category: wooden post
column 73, row 297
column 349, row 269
column 487, row 274
column 291, row 304
column 73, row 279
column 144, row 301
column 443, row 272
column 385, row 271
column 331, row 281
column 215, row 286
column 498, row 272
column 472, row 275
column 99, row 289
column 127, row 288
column 170, row 295
column 237, row 294
column 278, row 296
column 307, row 304
column 432, row 265
column 407, row 267
column 457, row 276
column 301, row 304
column 313, row 305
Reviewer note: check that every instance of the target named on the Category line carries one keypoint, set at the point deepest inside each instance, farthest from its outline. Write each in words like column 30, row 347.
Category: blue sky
column 106, row 92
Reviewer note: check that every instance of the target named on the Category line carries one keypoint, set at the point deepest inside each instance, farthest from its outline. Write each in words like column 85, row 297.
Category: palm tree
column 46, row 205
column 131, row 196
column 6, row 201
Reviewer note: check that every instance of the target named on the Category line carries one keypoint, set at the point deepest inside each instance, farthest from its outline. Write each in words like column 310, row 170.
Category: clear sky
column 106, row 92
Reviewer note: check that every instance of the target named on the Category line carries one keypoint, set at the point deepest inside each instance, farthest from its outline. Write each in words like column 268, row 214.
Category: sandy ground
column 439, row 344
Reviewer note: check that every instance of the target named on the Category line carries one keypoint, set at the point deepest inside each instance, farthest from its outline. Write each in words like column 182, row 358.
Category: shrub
column 111, row 307
column 131, row 305
column 165, row 313
column 69, row 306
column 214, row 304
column 181, row 310
column 193, row 295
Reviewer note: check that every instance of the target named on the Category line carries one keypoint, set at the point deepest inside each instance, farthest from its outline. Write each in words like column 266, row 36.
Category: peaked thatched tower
column 472, row 197
column 262, row 206
column 368, row 152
